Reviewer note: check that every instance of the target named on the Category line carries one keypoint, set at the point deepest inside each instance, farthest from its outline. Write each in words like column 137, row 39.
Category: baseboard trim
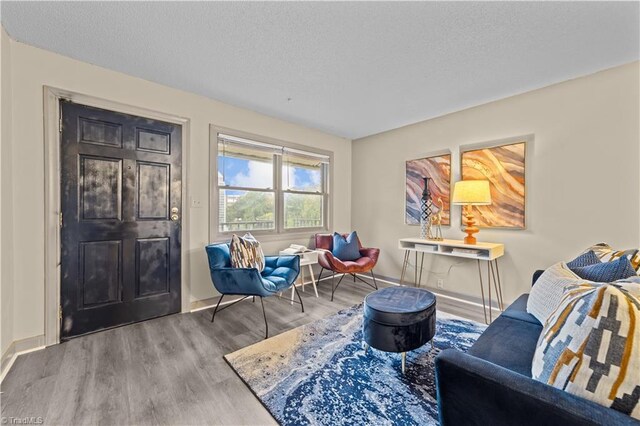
column 470, row 308
column 201, row 305
column 467, row 308
column 19, row 347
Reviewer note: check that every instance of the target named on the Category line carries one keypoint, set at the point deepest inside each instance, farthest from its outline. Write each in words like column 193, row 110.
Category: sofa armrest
column 474, row 391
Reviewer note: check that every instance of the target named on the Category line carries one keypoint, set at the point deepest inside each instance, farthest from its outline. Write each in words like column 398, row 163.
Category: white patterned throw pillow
column 548, row 290
column 246, row 252
column 590, row 345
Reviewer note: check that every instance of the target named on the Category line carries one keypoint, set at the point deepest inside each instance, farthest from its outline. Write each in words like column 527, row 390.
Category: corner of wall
column 6, row 194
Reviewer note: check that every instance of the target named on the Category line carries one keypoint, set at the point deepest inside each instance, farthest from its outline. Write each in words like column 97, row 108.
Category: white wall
column 582, row 175
column 6, row 206
column 32, row 68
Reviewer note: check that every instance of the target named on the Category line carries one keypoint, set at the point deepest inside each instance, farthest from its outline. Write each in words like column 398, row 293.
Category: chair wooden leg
column 313, row 281
column 216, row 309
column 264, row 314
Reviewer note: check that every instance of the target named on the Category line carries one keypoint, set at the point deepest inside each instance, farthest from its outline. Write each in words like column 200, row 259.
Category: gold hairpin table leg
column 415, row 272
column 404, row 265
column 421, row 267
column 484, row 305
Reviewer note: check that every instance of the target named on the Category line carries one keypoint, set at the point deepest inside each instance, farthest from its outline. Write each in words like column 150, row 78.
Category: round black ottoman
column 399, row 319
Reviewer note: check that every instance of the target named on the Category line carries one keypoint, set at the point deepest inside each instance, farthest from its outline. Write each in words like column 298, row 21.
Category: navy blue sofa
column 491, row 384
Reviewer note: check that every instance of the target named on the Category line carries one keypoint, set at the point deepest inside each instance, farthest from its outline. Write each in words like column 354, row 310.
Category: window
column 269, row 188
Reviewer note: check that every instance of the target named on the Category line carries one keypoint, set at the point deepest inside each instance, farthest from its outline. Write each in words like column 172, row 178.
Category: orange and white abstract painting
column 504, row 167
column 438, row 168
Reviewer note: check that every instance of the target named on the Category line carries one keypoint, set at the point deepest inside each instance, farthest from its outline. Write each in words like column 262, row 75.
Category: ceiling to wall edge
column 470, row 107
column 307, row 126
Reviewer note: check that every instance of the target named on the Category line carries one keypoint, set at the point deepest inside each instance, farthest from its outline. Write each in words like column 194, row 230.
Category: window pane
column 301, row 174
column 242, row 166
column 302, row 211
column 246, row 210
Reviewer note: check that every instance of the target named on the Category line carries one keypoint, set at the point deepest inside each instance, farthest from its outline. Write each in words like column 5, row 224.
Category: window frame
column 279, row 232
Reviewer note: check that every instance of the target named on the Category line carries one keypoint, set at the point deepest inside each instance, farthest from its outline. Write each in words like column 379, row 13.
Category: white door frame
column 52, row 97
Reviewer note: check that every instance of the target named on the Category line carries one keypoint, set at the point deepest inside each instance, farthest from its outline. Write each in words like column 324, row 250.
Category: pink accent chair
column 366, row 263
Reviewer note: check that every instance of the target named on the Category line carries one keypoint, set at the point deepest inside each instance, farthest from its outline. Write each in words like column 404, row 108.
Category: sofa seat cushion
column 518, row 310
column 509, row 343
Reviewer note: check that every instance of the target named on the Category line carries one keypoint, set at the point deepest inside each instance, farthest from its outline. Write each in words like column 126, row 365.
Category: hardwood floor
column 167, row 370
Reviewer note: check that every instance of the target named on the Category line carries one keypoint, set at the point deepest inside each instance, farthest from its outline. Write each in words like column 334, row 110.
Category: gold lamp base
column 470, row 226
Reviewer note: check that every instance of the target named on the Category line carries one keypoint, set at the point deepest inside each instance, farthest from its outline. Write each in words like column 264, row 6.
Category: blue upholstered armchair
column 279, row 274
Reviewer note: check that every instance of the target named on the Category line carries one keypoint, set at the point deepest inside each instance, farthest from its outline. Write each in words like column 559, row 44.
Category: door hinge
column 60, row 124
column 60, row 312
column 60, row 219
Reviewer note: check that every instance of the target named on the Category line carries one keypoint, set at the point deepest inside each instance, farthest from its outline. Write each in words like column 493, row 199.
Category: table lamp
column 469, row 193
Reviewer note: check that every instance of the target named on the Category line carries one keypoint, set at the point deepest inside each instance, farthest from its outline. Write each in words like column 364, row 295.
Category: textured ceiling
column 351, row 69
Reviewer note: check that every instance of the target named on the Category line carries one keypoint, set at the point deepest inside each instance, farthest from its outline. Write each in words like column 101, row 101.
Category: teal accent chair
column 279, row 274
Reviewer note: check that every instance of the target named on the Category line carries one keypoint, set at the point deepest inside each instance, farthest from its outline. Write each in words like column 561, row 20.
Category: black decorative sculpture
column 426, row 209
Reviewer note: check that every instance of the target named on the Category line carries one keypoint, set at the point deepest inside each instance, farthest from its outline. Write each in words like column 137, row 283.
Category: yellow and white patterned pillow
column 246, row 252
column 590, row 345
column 607, row 254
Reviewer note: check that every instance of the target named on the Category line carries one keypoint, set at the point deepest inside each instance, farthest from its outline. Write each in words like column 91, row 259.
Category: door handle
column 174, row 214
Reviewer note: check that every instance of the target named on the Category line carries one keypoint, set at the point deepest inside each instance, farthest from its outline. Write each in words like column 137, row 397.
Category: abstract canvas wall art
column 504, row 167
column 438, row 168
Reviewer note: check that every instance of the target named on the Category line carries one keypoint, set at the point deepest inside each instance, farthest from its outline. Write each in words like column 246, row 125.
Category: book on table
column 295, row 249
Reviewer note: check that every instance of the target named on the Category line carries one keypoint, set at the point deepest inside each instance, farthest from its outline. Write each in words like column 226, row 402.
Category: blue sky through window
column 259, row 174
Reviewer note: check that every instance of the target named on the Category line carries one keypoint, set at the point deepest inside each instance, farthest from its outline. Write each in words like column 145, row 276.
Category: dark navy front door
column 121, row 195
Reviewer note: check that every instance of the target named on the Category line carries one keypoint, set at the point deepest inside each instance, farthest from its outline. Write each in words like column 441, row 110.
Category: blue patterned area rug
column 319, row 374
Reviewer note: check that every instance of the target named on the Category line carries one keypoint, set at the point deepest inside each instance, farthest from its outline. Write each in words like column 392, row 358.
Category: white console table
column 487, row 252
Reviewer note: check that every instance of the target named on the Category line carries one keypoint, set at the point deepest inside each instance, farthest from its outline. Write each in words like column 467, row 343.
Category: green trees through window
column 247, row 198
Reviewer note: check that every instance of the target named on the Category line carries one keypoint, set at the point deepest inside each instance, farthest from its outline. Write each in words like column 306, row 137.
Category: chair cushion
column 606, row 272
column 590, row 345
column 346, row 248
column 267, row 271
column 274, row 284
column 358, row 263
column 282, row 272
column 518, row 310
column 276, row 279
column 509, row 343
column 246, row 252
